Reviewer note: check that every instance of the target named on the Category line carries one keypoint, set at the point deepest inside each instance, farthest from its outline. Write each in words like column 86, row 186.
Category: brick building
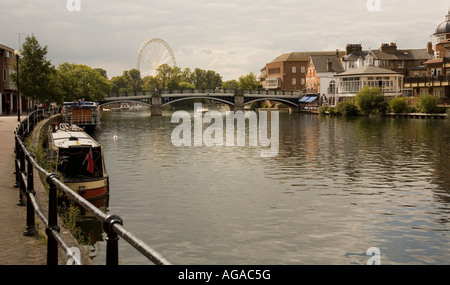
column 8, row 99
column 435, row 79
column 287, row 72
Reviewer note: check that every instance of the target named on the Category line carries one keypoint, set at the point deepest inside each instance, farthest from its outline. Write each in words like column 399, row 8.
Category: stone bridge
column 236, row 99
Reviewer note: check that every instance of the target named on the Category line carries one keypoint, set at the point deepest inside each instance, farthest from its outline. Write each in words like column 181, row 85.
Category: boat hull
column 91, row 189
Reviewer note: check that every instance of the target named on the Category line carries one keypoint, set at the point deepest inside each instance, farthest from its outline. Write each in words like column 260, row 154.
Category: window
column 294, row 69
column 303, row 81
column 274, row 70
column 294, row 81
column 5, row 75
column 385, row 83
column 272, row 82
column 439, row 92
column 303, row 69
column 332, row 87
column 351, row 85
column 401, row 64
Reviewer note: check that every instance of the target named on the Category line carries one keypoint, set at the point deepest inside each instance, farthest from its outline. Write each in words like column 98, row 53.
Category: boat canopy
column 307, row 99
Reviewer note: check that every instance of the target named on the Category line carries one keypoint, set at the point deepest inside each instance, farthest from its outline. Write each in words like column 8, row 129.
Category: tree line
column 40, row 81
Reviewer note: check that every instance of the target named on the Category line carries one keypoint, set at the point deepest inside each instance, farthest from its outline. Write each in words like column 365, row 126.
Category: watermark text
column 235, row 129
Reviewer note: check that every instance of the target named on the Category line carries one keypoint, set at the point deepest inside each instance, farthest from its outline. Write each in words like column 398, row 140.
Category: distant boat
column 83, row 114
column 80, row 161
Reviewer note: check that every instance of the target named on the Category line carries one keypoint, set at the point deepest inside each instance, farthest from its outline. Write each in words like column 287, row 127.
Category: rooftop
column 367, row 70
column 321, row 61
column 304, row 56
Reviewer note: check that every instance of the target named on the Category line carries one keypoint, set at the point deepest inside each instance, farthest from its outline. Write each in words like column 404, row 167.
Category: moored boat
column 83, row 114
column 79, row 159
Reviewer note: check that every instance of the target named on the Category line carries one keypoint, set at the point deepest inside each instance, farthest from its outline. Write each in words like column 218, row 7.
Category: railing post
column 16, row 162
column 52, row 244
column 21, row 182
column 112, row 239
column 30, row 229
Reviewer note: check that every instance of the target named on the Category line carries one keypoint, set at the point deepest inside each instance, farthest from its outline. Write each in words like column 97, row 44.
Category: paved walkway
column 15, row 248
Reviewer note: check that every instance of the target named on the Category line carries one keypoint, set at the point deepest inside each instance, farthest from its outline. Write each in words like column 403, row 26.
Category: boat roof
column 69, row 138
column 87, row 104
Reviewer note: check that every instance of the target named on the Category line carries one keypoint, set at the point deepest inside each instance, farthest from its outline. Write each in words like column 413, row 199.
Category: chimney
column 329, row 65
column 430, row 48
column 388, row 47
column 352, row 47
column 337, row 53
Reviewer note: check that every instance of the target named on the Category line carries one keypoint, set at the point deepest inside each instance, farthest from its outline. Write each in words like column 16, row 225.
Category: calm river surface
column 337, row 187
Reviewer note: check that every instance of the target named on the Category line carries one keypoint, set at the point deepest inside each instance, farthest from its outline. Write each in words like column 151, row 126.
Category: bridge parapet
column 226, row 92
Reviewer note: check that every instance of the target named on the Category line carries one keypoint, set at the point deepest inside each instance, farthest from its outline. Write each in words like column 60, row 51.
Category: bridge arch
column 124, row 101
column 197, row 97
column 280, row 100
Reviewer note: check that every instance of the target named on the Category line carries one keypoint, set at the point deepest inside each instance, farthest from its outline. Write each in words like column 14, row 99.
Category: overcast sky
column 232, row 37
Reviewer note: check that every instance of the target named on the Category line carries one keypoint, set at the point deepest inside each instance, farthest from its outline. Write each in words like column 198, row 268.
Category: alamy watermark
column 73, row 5
column 235, row 129
column 376, row 256
column 373, row 5
column 74, row 254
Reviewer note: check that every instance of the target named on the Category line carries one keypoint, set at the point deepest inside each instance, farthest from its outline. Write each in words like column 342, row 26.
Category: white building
column 351, row 81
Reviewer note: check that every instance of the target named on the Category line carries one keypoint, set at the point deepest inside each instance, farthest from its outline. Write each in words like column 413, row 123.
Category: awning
column 307, row 99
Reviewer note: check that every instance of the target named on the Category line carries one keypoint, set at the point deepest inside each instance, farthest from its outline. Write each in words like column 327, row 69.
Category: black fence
column 25, row 168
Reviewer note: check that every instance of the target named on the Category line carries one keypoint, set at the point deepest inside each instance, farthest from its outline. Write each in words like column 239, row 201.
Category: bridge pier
column 238, row 100
column 156, row 108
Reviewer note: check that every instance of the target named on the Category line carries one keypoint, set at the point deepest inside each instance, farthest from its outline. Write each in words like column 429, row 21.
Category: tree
column 398, row 105
column 150, row 83
column 230, row 84
column 427, row 103
column 35, row 72
column 347, row 108
column 248, row 82
column 370, row 100
column 77, row 81
column 134, row 79
column 164, row 72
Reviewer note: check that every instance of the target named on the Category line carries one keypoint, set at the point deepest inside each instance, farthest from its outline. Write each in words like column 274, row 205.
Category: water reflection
column 337, row 187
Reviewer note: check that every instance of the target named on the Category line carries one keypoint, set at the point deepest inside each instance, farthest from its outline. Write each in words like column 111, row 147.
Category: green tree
column 370, row 100
column 347, row 108
column 164, row 73
column 77, row 81
column 199, row 78
column 133, row 77
column 427, row 103
column 398, row 105
column 35, row 72
column 185, row 85
column 248, row 82
column 150, row 83
column 230, row 84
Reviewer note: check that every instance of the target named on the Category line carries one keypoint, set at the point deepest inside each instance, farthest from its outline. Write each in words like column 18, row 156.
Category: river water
column 337, row 187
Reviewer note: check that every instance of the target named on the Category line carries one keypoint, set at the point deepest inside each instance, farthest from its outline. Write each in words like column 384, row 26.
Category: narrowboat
column 79, row 159
column 81, row 113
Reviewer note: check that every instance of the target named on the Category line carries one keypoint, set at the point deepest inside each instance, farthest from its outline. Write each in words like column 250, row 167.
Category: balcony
column 427, row 81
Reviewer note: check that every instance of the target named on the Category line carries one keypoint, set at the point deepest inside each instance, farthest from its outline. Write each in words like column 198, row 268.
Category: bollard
column 52, row 244
column 31, row 228
column 112, row 239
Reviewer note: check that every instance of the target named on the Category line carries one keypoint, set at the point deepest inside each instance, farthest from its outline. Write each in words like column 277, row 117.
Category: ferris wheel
column 152, row 54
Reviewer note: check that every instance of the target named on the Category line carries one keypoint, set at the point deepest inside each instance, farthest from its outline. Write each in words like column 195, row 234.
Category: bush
column 322, row 109
column 398, row 105
column 333, row 111
column 427, row 103
column 347, row 108
column 370, row 100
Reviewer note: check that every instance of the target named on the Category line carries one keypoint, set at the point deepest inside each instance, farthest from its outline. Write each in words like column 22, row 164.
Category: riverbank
column 15, row 248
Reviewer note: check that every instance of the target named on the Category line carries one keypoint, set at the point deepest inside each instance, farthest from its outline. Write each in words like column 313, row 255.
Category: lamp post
column 17, row 53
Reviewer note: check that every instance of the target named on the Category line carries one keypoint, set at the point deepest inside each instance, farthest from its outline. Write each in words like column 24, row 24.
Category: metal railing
column 25, row 167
